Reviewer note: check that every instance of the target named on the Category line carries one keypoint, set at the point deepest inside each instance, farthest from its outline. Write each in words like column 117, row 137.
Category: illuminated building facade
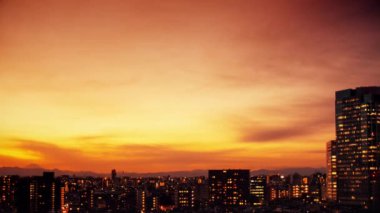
column 229, row 188
column 141, row 200
column 357, row 144
column 185, row 196
column 331, row 179
column 7, row 192
column 296, row 186
column 278, row 187
column 257, row 190
column 5, row 189
column 316, row 186
column 296, row 191
column 278, row 192
column 147, row 201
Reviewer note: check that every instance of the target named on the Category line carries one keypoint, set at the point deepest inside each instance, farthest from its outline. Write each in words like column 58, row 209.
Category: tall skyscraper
column 331, row 178
column 357, row 144
column 229, row 188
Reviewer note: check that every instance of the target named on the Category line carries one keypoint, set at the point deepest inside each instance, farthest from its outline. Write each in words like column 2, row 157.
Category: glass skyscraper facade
column 357, row 144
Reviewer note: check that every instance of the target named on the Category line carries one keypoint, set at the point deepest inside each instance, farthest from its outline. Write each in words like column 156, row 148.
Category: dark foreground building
column 357, row 145
column 39, row 194
column 228, row 188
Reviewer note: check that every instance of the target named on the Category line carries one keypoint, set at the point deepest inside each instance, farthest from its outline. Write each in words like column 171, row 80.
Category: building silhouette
column 39, row 194
column 201, row 193
column 357, row 114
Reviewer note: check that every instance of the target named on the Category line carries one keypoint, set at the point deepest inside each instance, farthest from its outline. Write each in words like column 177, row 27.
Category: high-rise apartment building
column 185, row 196
column 299, row 186
column 7, row 192
column 331, row 178
column 357, row 144
column 229, row 188
column 257, row 190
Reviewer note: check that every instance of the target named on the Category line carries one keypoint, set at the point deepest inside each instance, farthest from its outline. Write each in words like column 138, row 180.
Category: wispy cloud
column 127, row 157
column 289, row 121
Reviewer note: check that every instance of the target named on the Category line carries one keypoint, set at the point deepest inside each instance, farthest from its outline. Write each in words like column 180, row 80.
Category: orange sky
column 146, row 86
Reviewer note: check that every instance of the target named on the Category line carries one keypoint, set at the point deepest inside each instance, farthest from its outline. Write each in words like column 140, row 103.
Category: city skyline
column 143, row 86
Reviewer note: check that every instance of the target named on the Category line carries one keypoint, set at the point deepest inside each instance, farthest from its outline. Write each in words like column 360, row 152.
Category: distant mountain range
column 35, row 170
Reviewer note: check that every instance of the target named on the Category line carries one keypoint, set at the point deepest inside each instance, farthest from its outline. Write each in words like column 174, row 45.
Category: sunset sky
column 147, row 86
